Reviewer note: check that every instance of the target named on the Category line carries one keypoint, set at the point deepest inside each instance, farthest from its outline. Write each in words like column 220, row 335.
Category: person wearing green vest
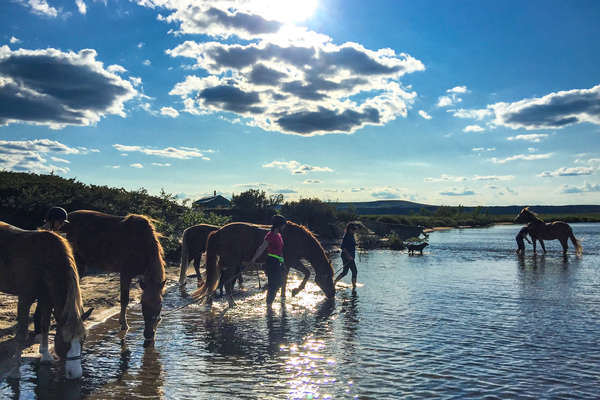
column 273, row 243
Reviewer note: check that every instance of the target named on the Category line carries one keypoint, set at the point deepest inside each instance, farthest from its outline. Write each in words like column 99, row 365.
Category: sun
column 286, row 11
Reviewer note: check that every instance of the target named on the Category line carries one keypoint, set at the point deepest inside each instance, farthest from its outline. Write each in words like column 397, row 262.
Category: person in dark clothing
column 273, row 243
column 348, row 253
column 519, row 238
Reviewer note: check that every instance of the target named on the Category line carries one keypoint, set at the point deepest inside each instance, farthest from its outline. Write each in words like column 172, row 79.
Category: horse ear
column 86, row 314
column 141, row 282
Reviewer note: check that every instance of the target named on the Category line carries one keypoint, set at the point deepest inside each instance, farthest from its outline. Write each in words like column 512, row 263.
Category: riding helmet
column 57, row 214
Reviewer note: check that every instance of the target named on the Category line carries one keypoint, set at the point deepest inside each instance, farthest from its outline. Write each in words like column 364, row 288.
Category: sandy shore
column 99, row 291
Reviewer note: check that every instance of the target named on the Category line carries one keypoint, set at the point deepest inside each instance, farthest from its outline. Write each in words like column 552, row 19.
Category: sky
column 437, row 102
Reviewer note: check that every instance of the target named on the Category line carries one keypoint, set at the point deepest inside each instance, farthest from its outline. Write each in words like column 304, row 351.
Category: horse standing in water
column 128, row 245
column 238, row 241
column 192, row 246
column 538, row 229
column 40, row 265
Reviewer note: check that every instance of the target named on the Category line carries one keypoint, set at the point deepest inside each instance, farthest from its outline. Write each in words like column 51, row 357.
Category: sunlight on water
column 468, row 318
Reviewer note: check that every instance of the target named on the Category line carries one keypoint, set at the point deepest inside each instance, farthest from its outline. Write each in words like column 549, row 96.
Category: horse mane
column 314, row 240
column 533, row 214
column 72, row 325
column 156, row 264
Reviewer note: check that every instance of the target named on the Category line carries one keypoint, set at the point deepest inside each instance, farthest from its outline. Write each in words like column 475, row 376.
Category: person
column 348, row 253
column 273, row 243
column 56, row 217
column 519, row 238
column 523, row 235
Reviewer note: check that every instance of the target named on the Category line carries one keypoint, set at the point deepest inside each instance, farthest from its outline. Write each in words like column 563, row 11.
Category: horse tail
column 185, row 257
column 213, row 269
column 576, row 243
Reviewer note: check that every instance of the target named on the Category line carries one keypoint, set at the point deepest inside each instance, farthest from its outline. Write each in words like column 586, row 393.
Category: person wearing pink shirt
column 273, row 243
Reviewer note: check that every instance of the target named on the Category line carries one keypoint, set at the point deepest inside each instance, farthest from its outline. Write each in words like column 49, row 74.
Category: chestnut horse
column 128, row 245
column 237, row 242
column 538, row 229
column 39, row 265
column 192, row 246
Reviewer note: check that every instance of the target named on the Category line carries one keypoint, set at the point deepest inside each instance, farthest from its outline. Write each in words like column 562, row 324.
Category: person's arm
column 259, row 251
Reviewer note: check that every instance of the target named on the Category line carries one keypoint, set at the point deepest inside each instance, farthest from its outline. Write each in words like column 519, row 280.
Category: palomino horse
column 128, row 245
column 538, row 229
column 192, row 246
column 238, row 241
column 40, row 265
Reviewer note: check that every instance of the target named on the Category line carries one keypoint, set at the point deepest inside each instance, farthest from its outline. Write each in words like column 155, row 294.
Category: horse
column 237, row 242
column 39, row 265
column 538, row 229
column 416, row 247
column 192, row 246
column 128, row 245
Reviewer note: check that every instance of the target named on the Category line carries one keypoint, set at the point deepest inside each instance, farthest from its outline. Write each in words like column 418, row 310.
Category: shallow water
column 469, row 318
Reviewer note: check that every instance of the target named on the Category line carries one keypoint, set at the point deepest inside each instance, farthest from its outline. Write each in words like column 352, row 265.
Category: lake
column 468, row 319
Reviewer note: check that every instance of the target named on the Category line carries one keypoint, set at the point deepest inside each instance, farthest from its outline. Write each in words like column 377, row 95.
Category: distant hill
column 403, row 207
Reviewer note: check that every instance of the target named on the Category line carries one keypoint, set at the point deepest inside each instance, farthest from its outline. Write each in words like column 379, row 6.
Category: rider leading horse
column 538, row 229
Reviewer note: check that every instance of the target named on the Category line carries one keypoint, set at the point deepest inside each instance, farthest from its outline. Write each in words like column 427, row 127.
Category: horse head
column 524, row 216
column 152, row 293
column 325, row 282
column 70, row 349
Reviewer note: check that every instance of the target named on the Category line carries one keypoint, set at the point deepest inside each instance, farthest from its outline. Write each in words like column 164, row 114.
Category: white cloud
column 296, row 168
column 170, row 112
column 493, row 178
column 136, row 165
column 481, row 149
column 446, row 178
column 553, row 111
column 575, row 171
column 161, row 164
column 140, row 45
column 446, row 101
column 532, row 137
column 116, row 69
column 458, row 89
column 424, row 114
column 81, row 6
column 311, row 181
column 585, row 188
column 182, row 153
column 14, row 40
column 458, row 192
column 54, row 88
column 473, row 128
column 523, row 157
column 30, row 155
column 40, row 7
column 147, row 62
column 471, row 114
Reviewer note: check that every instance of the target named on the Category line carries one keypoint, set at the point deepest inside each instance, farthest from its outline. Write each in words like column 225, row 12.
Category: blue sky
column 439, row 102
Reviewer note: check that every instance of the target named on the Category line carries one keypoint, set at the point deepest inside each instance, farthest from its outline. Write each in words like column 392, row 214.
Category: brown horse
column 39, row 265
column 192, row 246
column 237, row 242
column 538, row 229
column 128, row 245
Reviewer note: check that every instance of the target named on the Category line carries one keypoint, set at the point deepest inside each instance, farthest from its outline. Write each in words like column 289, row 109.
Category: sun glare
column 287, row 11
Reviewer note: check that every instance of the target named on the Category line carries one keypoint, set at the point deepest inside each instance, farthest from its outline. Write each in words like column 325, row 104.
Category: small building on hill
column 214, row 201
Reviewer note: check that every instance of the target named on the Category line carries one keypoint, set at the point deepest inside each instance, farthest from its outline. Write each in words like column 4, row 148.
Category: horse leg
column 240, row 279
column 197, row 268
column 542, row 244
column 565, row 245
column 229, row 280
column 23, row 307
column 125, row 282
column 298, row 265
column 45, row 312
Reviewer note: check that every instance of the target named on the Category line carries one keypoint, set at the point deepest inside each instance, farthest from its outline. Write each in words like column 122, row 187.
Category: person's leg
column 352, row 266
column 273, row 269
column 342, row 274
